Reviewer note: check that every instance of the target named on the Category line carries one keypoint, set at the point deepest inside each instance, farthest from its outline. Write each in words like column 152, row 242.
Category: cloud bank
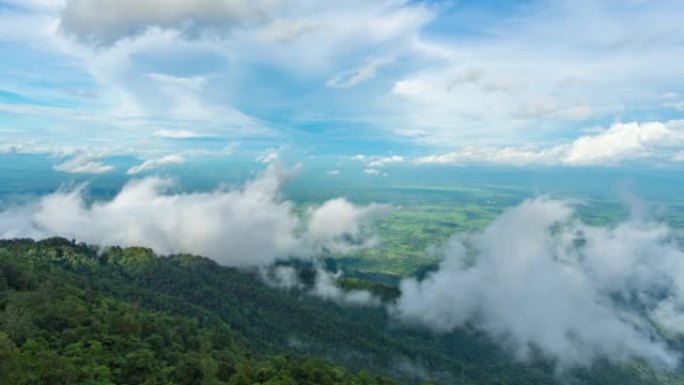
column 249, row 226
column 620, row 143
column 537, row 278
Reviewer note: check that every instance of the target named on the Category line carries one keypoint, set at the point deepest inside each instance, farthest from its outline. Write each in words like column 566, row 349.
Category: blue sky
column 452, row 83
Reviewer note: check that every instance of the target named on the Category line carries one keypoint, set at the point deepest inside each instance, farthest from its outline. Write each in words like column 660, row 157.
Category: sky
column 381, row 83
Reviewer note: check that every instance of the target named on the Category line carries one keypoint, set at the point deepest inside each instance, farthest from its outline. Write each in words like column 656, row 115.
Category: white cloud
column 285, row 31
column 248, row 226
column 333, row 172
column 180, row 134
column 621, row 142
column 172, row 64
column 372, row 171
column 285, row 277
column 154, row 163
column 175, row 64
column 326, row 285
column 625, row 141
column 337, row 225
column 376, row 161
column 139, row 93
column 384, row 161
column 500, row 156
column 349, row 79
column 268, row 156
column 84, row 164
column 538, row 278
column 530, row 74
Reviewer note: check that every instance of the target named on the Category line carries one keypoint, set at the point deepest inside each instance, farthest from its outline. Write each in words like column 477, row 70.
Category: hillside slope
column 71, row 315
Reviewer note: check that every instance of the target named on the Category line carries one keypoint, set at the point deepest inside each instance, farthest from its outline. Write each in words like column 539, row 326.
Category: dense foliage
column 72, row 315
column 66, row 320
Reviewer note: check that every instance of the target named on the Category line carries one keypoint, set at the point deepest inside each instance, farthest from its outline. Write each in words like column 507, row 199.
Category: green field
column 430, row 216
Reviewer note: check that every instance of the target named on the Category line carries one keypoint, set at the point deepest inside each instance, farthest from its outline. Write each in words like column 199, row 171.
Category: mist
column 539, row 280
column 251, row 225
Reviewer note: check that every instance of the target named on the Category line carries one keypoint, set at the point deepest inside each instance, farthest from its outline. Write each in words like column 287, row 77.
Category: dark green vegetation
column 70, row 315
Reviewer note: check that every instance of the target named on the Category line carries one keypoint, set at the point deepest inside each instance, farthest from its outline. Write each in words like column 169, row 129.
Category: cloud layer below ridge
column 249, row 226
column 537, row 278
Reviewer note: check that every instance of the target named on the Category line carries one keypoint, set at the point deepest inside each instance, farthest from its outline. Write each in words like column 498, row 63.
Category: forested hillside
column 72, row 315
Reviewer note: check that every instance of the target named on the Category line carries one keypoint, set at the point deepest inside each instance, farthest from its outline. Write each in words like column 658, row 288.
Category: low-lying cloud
column 249, row 226
column 338, row 226
column 326, row 285
column 84, row 164
column 154, row 163
column 537, row 278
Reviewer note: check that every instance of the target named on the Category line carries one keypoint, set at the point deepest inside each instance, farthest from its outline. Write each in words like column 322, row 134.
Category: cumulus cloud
column 537, row 278
column 84, row 164
column 621, row 142
column 333, row 172
column 625, row 141
column 337, row 225
column 151, row 164
column 248, row 226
